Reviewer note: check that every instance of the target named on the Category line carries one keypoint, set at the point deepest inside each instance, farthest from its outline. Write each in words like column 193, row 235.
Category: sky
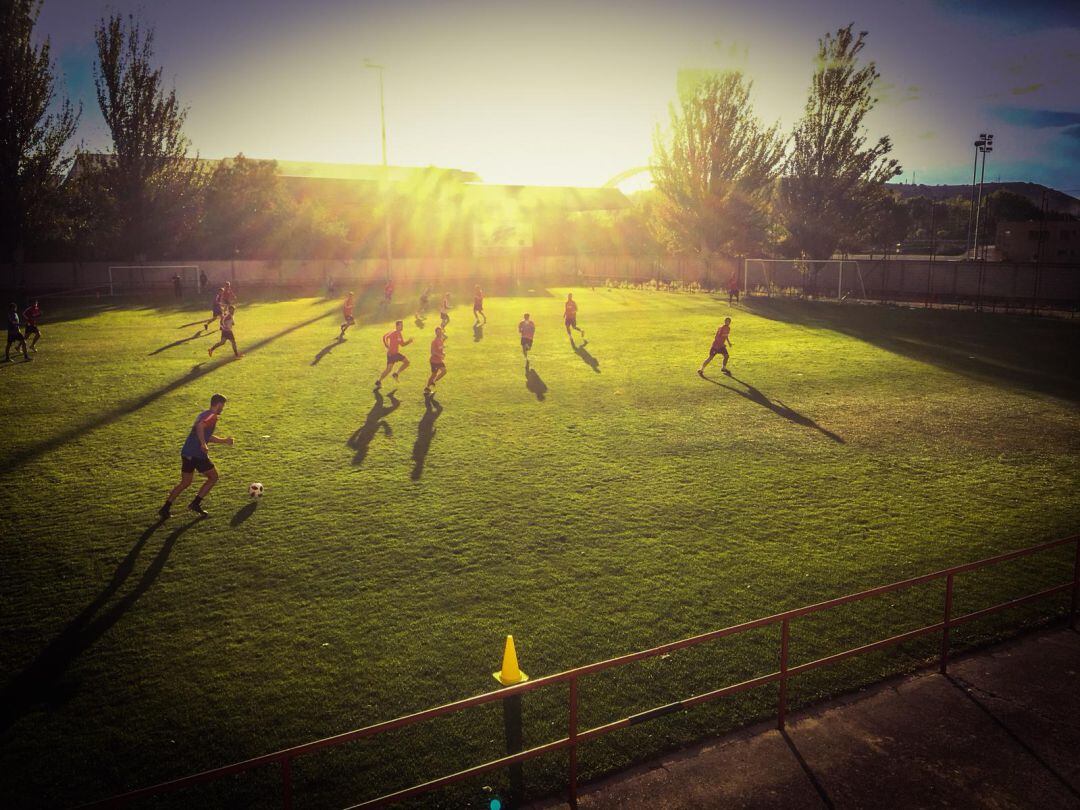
column 570, row 93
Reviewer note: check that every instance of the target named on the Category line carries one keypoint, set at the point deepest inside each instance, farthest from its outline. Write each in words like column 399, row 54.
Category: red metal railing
column 575, row 738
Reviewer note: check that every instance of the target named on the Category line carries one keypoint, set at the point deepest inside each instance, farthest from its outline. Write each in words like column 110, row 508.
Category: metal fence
column 575, row 737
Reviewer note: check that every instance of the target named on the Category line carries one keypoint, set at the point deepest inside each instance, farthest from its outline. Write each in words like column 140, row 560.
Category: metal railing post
column 1076, row 588
column 945, row 624
column 782, row 709
column 572, row 734
column 286, row 783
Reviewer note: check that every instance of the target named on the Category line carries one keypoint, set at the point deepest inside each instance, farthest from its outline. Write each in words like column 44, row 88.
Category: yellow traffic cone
column 510, row 674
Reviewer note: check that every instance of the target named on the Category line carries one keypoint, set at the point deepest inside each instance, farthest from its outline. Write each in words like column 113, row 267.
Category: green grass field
column 610, row 502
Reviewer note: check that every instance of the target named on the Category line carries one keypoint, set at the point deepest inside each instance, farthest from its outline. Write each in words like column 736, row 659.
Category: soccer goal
column 812, row 278
column 136, row 278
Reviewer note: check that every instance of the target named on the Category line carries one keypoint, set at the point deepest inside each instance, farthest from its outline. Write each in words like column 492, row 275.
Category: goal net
column 811, row 278
column 126, row 279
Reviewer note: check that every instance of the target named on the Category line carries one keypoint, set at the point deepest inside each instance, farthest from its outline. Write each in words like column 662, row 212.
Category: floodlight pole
column 386, row 172
column 984, row 144
column 971, row 207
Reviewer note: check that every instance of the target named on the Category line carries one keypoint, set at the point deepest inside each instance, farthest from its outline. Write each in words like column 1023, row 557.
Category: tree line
column 725, row 184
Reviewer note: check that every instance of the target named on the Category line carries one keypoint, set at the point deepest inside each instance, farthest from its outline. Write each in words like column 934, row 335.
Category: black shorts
column 445, row 317
column 395, row 358
column 32, row 330
column 715, row 350
column 14, row 336
column 226, row 334
column 477, row 307
column 526, row 343
column 436, row 366
column 216, row 312
column 189, row 464
column 571, row 321
column 350, row 320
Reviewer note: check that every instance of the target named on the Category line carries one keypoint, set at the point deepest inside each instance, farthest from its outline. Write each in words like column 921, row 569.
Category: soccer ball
column 255, row 490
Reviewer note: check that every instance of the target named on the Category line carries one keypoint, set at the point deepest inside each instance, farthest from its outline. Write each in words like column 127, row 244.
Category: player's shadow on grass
column 38, row 683
column 325, row 350
column 534, row 383
column 425, row 432
column 586, row 358
column 243, row 513
column 375, row 422
column 477, row 332
column 180, row 342
column 777, row 407
column 129, row 407
column 199, row 322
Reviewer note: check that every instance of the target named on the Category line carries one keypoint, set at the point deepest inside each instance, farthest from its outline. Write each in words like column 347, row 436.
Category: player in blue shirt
column 14, row 334
column 194, row 456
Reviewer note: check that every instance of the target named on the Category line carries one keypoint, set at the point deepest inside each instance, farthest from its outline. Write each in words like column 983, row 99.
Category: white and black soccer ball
column 255, row 490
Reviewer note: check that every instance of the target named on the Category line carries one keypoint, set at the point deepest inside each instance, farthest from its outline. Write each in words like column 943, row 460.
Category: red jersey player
column 347, row 311
column 394, row 341
column 570, row 316
column 719, row 347
column 438, row 360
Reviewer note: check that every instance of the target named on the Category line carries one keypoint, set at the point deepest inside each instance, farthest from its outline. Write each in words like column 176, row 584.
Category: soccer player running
column 30, row 316
column 570, row 317
column 226, row 334
column 438, row 360
column 393, row 341
column 228, row 296
column 719, row 347
column 14, row 334
column 444, row 310
column 425, row 297
column 478, row 305
column 347, row 311
column 388, row 294
column 217, row 308
column 194, row 455
column 527, row 329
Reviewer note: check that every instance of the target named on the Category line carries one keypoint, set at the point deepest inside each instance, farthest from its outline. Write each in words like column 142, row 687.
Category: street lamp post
column 386, row 172
column 983, row 145
column 971, row 207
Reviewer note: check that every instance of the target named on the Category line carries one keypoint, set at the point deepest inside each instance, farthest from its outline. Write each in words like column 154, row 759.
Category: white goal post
column 822, row 278
column 142, row 277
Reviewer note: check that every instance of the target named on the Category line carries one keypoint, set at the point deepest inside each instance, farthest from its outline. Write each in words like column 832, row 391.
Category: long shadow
column 1010, row 351
column 243, row 513
column 180, row 342
column 325, row 350
column 586, row 358
column 37, row 683
column 107, row 417
column 199, row 322
column 477, row 332
column 778, row 407
column 376, row 421
column 425, row 432
column 534, row 383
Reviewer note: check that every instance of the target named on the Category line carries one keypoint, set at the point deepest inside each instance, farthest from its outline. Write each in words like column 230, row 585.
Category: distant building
column 1057, row 242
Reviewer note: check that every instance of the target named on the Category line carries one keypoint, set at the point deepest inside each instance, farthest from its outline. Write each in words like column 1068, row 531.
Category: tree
column 833, row 179
column 714, row 171
column 153, row 186
column 32, row 139
column 244, row 205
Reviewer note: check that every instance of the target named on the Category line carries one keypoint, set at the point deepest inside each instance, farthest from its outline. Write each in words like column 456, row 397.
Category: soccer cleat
column 165, row 512
column 198, row 510
column 725, row 371
column 378, row 384
column 701, row 372
column 210, row 352
column 394, row 375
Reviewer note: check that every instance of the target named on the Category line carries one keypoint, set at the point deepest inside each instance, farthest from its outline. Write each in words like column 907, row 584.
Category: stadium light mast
column 971, row 207
column 386, row 171
column 983, row 145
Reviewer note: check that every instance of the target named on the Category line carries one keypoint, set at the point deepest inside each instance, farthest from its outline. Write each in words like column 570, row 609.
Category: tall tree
column 244, row 206
column 714, row 170
column 154, row 187
column 832, row 177
column 33, row 133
